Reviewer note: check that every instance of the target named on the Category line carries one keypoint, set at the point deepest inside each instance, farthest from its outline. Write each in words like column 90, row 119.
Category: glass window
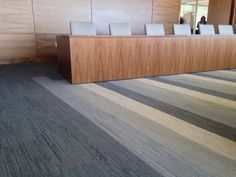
column 191, row 12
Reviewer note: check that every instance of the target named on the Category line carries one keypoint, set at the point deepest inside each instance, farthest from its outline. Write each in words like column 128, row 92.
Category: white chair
column 120, row 29
column 207, row 29
column 182, row 29
column 225, row 29
column 154, row 29
column 82, row 28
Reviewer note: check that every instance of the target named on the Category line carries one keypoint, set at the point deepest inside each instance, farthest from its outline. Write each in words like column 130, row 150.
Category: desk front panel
column 102, row 58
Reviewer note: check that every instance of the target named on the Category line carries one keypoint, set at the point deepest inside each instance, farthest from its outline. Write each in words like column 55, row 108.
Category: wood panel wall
column 219, row 12
column 54, row 16
column 16, row 48
column 17, row 41
column 136, row 12
column 167, row 13
column 28, row 28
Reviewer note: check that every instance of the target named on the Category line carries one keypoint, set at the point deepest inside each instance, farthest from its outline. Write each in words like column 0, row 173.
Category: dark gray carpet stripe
column 199, row 89
column 32, row 70
column 234, row 70
column 41, row 136
column 215, row 77
column 207, row 124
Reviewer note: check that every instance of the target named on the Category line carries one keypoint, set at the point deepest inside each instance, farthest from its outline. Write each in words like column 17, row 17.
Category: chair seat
column 120, row 29
column 182, row 29
column 207, row 29
column 225, row 29
column 82, row 28
column 154, row 30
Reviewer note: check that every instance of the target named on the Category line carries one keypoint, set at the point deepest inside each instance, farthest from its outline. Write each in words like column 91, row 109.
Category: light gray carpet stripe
column 192, row 86
column 158, row 156
column 41, row 136
column 212, row 141
column 186, row 93
column 216, row 76
column 208, row 109
column 191, row 151
column 225, row 86
column 207, row 124
column 225, row 72
column 187, row 99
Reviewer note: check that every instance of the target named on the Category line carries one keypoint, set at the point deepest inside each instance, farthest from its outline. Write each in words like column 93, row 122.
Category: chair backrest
column 225, row 29
column 120, row 29
column 154, row 29
column 207, row 29
column 82, row 28
column 182, row 29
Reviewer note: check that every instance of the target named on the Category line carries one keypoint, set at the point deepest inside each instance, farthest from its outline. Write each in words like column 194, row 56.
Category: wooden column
column 219, row 12
column 233, row 13
column 167, row 13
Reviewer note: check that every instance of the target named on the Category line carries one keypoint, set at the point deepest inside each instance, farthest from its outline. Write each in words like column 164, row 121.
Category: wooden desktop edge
column 142, row 36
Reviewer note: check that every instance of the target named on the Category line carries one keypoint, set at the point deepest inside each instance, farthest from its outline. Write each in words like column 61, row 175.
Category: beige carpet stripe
column 207, row 79
column 199, row 107
column 188, row 149
column 212, row 141
column 226, row 72
column 195, row 94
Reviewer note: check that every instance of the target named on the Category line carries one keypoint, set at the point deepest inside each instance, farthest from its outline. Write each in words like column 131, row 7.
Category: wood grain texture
column 16, row 16
column 46, row 18
column 137, row 13
column 45, row 45
column 219, row 12
column 111, row 58
column 167, row 13
column 234, row 18
column 16, row 48
column 54, row 16
column 64, row 55
column 234, row 13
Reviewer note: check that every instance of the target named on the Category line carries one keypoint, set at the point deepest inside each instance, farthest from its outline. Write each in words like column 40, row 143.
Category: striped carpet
column 173, row 126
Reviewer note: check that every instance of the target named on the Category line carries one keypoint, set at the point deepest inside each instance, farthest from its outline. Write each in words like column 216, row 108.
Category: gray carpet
column 171, row 126
column 41, row 136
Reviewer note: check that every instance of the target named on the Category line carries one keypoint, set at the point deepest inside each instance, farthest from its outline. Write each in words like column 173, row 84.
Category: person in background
column 201, row 22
